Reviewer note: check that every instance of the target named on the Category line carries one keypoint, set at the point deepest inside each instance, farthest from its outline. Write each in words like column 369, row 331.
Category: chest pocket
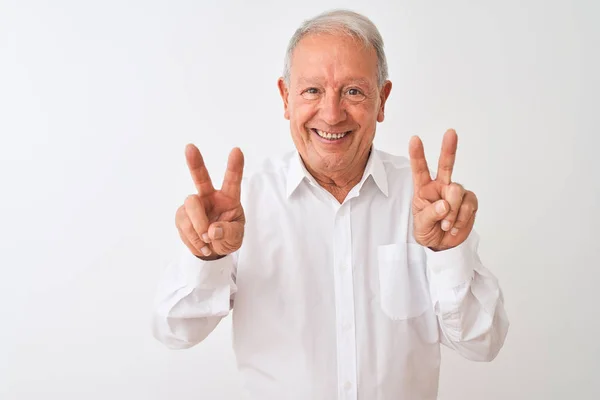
column 404, row 290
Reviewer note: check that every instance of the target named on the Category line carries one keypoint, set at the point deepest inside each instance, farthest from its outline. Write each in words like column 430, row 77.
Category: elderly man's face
column 333, row 102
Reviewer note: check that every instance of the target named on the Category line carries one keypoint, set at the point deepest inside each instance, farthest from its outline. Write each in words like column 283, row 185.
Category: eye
column 310, row 93
column 354, row 92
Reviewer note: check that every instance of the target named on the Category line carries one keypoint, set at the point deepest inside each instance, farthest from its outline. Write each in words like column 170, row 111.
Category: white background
column 98, row 99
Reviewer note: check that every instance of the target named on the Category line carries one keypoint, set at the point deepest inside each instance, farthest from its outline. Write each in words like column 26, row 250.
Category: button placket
column 344, row 297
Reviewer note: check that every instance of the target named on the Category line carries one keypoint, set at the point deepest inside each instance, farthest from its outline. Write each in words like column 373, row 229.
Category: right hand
column 211, row 222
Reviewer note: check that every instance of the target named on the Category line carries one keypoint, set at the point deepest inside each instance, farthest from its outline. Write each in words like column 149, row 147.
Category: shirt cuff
column 207, row 274
column 453, row 267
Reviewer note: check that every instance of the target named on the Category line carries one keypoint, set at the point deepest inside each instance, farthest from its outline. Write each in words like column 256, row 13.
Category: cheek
column 361, row 115
column 370, row 113
column 302, row 113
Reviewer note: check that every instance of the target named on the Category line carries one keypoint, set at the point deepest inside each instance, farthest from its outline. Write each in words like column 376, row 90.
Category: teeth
column 330, row 136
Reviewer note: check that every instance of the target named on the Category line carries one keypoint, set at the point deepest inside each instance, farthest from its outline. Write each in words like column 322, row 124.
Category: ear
column 284, row 92
column 385, row 93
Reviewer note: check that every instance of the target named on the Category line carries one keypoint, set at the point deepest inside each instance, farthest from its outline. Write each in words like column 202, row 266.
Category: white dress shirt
column 335, row 301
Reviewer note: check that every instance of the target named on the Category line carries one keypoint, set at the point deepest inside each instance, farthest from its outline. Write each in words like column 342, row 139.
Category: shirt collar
column 297, row 172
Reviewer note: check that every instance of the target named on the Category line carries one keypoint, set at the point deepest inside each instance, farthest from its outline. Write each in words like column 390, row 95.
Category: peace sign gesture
column 444, row 212
column 211, row 222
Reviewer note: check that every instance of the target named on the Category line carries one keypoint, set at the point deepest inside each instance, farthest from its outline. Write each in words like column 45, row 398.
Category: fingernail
column 445, row 225
column 218, row 232
column 206, row 251
column 440, row 207
column 454, row 231
column 205, row 238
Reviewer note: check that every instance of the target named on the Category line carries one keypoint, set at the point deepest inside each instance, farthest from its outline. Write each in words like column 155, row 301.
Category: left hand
column 444, row 212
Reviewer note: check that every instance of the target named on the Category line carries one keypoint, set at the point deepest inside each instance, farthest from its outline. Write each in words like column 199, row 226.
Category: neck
column 339, row 183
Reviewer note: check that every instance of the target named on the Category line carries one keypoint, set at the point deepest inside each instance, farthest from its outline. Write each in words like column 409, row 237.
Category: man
column 353, row 265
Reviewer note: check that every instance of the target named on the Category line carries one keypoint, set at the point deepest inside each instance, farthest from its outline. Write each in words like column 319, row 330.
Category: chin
column 330, row 161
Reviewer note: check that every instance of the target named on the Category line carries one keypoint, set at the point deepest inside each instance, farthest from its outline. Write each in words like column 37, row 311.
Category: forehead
column 333, row 58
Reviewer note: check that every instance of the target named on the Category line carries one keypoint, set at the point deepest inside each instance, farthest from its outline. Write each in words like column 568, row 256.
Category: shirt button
column 347, row 386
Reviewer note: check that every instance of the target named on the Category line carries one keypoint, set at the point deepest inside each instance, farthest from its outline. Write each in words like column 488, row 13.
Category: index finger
column 232, row 181
column 447, row 157
column 418, row 163
column 198, row 170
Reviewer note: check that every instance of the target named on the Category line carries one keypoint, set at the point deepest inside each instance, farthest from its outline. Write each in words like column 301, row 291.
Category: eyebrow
column 355, row 81
column 303, row 80
column 359, row 81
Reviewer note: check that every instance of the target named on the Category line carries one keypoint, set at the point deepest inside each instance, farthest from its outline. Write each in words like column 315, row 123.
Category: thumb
column 226, row 237
column 431, row 215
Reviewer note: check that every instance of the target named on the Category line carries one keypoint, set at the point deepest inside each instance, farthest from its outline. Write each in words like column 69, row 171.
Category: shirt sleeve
column 192, row 298
column 468, row 301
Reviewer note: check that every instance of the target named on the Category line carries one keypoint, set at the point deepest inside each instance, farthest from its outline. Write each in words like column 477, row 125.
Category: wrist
column 212, row 257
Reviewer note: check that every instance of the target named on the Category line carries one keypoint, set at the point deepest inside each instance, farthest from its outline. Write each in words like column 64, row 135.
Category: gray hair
column 340, row 21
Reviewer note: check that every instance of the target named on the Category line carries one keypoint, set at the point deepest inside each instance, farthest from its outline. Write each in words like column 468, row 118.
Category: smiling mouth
column 329, row 135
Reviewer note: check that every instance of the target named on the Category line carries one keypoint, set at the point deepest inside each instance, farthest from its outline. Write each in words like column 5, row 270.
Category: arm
column 466, row 296
column 468, row 301
column 198, row 289
column 192, row 298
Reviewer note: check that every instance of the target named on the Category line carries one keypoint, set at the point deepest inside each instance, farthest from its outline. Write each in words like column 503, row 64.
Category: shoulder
column 393, row 162
column 396, row 167
column 270, row 167
column 269, row 172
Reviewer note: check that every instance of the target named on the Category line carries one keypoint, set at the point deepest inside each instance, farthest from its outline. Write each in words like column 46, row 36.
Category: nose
column 333, row 110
